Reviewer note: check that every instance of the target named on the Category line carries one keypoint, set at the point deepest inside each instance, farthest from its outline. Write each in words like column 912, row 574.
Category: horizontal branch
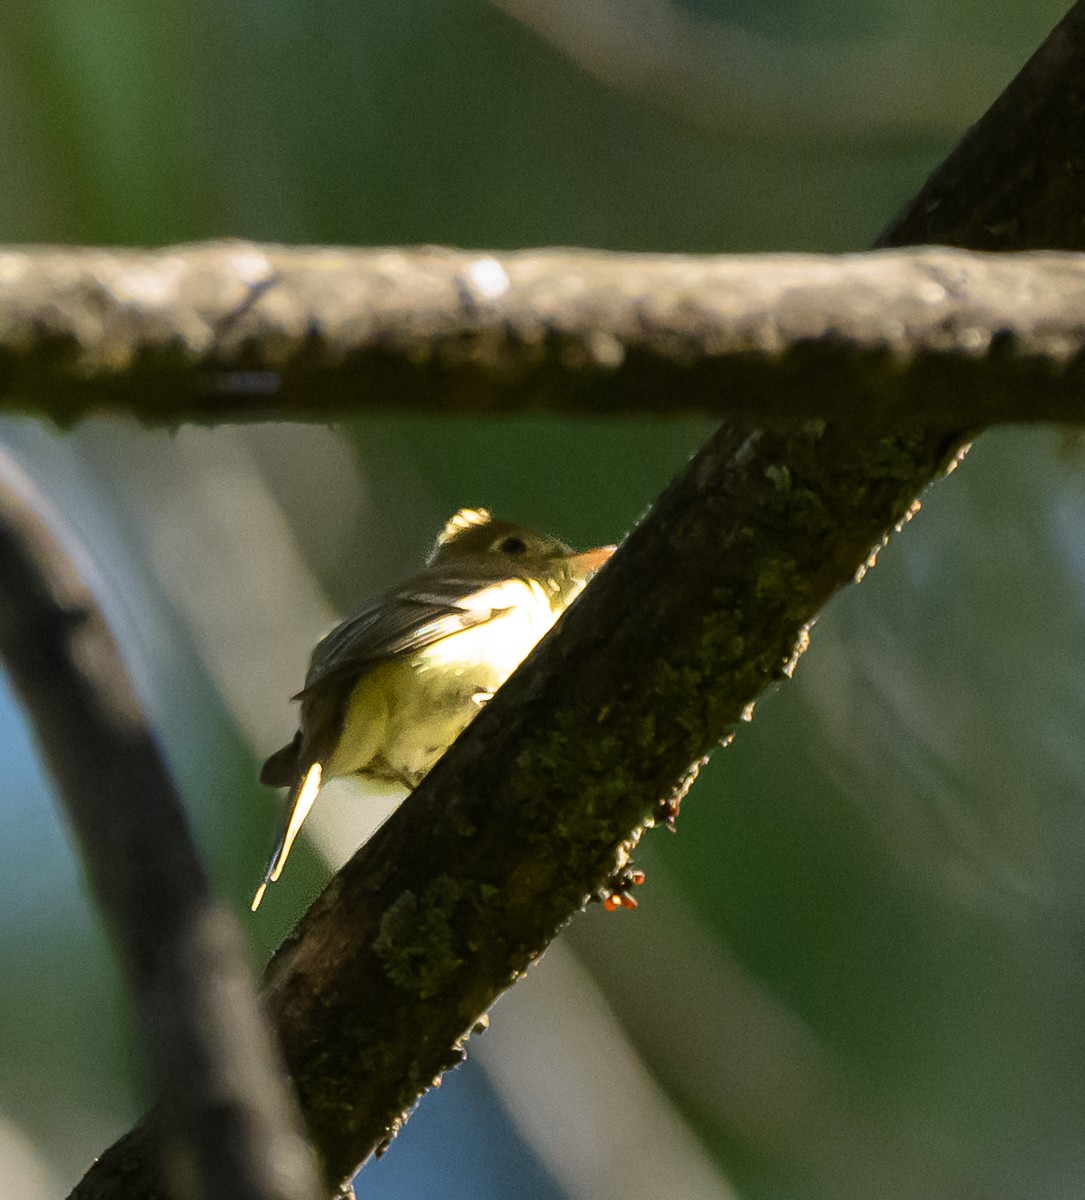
column 233, row 330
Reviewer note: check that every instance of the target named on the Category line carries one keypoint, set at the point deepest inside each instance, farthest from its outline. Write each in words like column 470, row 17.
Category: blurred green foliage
column 890, row 854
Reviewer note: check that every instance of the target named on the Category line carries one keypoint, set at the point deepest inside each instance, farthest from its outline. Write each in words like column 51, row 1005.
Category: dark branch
column 223, row 1099
column 1015, row 180
column 527, row 816
column 701, row 609
column 234, row 330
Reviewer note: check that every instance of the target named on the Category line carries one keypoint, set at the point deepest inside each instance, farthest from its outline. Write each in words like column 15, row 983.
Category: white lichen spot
column 12, row 267
column 487, row 278
column 931, row 292
column 606, row 350
column 251, row 266
column 974, row 339
column 147, row 286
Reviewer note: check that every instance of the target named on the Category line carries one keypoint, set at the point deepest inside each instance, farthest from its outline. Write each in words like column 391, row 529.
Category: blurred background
column 858, row 969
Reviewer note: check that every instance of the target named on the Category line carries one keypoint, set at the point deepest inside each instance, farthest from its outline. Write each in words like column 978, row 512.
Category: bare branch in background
column 236, row 330
column 705, row 604
column 227, row 1125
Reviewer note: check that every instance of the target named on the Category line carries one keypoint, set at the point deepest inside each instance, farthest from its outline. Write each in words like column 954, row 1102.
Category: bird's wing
column 406, row 620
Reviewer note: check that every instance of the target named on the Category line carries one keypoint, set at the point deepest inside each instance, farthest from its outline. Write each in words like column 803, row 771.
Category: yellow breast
column 405, row 713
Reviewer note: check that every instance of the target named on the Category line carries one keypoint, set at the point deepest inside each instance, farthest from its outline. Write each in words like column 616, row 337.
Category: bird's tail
column 298, row 803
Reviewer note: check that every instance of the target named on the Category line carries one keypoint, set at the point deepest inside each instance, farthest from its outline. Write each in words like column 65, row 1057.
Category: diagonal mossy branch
column 227, row 331
column 533, row 812
column 706, row 603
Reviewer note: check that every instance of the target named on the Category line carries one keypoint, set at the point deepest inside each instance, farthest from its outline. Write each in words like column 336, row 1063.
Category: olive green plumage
column 391, row 688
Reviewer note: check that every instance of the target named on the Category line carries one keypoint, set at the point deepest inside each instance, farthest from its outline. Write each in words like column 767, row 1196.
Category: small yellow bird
column 390, row 689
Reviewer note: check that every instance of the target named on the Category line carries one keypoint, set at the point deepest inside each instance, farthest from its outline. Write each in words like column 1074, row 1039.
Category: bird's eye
column 512, row 545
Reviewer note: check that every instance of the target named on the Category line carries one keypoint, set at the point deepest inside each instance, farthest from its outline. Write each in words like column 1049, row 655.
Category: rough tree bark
column 529, row 812
column 234, row 330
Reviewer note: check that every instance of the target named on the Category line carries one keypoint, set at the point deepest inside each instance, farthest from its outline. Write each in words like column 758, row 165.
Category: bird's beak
column 591, row 560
